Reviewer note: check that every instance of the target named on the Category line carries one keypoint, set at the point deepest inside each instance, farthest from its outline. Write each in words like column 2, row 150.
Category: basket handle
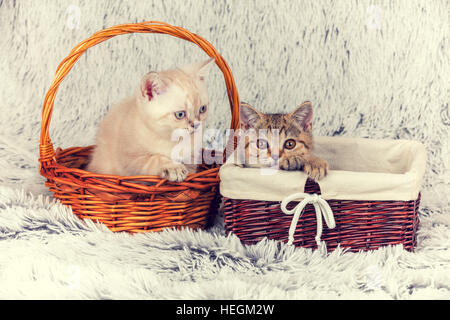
column 46, row 150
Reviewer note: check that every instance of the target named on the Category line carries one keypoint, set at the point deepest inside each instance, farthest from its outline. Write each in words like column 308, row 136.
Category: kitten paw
column 176, row 172
column 291, row 163
column 316, row 169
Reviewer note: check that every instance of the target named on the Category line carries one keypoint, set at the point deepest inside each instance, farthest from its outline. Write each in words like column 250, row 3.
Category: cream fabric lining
column 360, row 169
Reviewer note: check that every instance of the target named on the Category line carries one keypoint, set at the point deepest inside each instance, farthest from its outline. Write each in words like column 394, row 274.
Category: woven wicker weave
column 139, row 203
column 360, row 225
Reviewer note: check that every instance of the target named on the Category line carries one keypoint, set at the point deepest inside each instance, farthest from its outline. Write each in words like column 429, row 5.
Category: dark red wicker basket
column 289, row 207
column 360, row 225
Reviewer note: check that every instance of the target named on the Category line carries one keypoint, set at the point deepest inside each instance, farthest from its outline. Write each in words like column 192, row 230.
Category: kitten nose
column 275, row 157
column 195, row 125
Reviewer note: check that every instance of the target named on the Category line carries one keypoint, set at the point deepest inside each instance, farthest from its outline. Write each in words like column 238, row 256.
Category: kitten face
column 272, row 138
column 175, row 99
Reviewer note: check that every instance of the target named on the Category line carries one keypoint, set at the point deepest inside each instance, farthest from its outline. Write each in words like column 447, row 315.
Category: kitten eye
column 180, row 114
column 203, row 109
column 262, row 144
column 289, row 144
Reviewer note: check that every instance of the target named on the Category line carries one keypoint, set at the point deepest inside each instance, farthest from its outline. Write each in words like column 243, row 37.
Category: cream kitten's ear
column 248, row 115
column 199, row 69
column 205, row 66
column 303, row 115
column 152, row 85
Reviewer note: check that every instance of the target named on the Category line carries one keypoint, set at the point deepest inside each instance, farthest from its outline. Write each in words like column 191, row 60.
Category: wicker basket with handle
column 130, row 203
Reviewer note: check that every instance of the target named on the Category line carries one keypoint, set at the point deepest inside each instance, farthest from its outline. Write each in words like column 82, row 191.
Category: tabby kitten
column 281, row 140
column 136, row 136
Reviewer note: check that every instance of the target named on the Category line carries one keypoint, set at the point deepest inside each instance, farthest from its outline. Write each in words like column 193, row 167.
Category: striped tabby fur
column 281, row 140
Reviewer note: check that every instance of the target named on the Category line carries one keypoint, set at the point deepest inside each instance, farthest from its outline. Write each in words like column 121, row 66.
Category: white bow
column 322, row 209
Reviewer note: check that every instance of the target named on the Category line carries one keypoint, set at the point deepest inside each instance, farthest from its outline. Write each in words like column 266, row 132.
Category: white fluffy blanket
column 372, row 69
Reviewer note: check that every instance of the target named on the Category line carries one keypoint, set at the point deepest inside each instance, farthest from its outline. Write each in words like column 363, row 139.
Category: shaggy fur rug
column 375, row 69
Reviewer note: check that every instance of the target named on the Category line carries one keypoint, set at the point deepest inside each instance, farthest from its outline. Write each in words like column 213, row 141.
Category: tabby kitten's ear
column 248, row 116
column 152, row 85
column 303, row 116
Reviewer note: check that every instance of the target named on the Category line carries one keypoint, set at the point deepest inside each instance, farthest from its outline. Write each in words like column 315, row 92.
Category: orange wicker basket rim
column 47, row 152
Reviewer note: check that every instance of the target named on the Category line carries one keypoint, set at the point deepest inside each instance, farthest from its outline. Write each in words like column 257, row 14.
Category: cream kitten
column 135, row 137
